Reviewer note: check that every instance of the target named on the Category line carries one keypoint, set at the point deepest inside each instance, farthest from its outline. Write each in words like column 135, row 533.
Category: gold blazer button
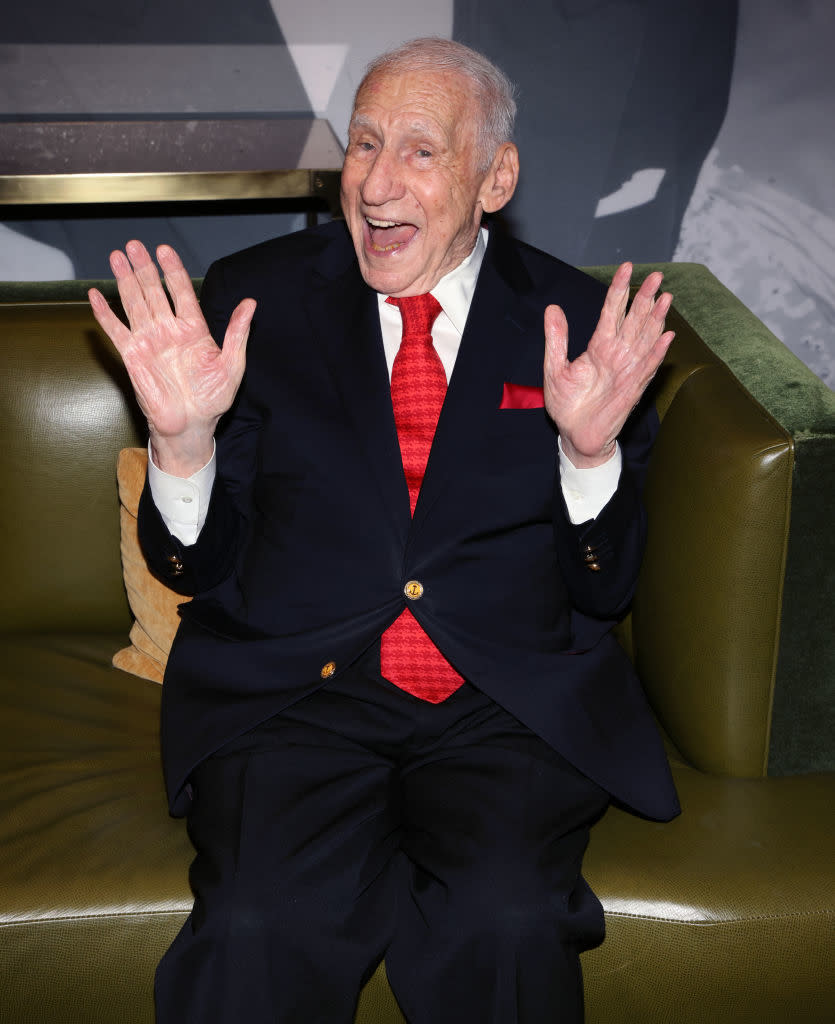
column 328, row 670
column 176, row 566
column 413, row 590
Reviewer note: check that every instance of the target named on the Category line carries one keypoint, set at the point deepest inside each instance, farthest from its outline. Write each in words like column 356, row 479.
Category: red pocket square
column 522, row 396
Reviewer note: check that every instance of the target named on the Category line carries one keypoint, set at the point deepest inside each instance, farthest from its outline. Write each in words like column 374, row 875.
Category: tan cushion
column 154, row 606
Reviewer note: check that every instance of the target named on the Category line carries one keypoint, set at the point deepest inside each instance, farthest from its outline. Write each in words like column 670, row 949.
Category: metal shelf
column 168, row 160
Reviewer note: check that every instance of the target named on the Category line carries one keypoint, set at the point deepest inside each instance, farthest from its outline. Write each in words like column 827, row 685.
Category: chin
column 388, row 279
column 388, row 273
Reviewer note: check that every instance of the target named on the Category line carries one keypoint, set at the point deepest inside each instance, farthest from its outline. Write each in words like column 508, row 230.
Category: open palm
column 590, row 397
column 182, row 380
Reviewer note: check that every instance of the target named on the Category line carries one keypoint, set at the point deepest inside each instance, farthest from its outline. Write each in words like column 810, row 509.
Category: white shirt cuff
column 182, row 501
column 586, row 491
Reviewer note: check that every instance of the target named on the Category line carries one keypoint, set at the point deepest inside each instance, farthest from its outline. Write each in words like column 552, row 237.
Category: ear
column 500, row 181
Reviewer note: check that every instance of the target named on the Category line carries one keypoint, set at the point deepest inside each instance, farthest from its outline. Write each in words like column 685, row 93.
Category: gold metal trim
column 47, row 189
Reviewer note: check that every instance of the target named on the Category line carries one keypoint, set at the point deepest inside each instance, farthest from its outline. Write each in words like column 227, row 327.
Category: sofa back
column 723, row 572
column 64, row 416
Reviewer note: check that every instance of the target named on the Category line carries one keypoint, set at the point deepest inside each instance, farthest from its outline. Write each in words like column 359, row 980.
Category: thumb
column 556, row 338
column 237, row 333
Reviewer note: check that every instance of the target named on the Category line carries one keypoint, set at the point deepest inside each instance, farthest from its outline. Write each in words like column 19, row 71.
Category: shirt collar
column 455, row 290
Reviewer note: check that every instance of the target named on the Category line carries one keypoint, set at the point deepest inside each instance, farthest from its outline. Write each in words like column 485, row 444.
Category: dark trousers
column 363, row 823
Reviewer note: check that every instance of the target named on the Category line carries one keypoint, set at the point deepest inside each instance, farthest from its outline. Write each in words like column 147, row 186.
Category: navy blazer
column 308, row 542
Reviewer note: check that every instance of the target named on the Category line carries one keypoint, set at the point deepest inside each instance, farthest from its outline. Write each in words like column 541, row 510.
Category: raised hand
column 182, row 380
column 590, row 398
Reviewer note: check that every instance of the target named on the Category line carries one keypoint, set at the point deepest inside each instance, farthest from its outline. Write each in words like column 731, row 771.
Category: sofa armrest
column 732, row 619
column 706, row 615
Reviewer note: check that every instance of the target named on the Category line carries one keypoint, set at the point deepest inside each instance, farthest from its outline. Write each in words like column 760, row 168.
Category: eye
column 424, row 153
column 360, row 144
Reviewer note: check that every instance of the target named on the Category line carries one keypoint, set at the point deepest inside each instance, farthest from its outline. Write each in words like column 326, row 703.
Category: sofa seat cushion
column 92, row 869
column 83, row 824
column 728, row 908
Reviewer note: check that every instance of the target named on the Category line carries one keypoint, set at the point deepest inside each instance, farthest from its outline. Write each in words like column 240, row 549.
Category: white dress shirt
column 183, row 503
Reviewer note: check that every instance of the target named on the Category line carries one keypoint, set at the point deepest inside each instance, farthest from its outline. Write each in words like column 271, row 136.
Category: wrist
column 182, row 455
column 586, row 460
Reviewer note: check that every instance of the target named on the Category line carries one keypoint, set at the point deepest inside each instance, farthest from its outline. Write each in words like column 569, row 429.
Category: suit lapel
column 344, row 316
column 500, row 329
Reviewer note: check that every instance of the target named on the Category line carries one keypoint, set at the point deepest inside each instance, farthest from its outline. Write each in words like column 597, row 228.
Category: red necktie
column 408, row 658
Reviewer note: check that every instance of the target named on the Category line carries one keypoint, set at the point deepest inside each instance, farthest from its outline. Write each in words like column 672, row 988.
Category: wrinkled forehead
column 447, row 97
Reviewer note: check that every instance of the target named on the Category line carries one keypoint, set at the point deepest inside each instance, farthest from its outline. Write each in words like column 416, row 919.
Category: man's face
column 411, row 193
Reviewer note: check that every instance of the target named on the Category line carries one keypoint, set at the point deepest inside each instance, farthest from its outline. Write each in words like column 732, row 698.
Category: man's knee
column 505, row 909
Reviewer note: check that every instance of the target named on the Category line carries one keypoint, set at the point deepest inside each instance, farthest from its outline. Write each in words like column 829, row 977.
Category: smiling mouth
column 389, row 235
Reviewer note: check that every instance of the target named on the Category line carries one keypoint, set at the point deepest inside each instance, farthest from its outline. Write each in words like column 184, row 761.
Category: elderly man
column 393, row 710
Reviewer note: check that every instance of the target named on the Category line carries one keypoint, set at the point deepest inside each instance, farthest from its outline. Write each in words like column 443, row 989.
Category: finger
column 178, row 282
column 107, row 319
column 650, row 285
column 127, row 267
column 649, row 364
column 661, row 308
column 644, row 300
column 653, row 326
column 661, row 347
column 645, row 321
column 641, row 304
column 130, row 291
column 614, row 305
column 148, row 276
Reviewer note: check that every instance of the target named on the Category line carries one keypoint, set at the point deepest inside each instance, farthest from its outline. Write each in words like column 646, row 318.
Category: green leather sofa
column 723, row 915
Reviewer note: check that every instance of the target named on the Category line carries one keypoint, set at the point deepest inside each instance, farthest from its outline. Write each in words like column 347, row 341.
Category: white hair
column 494, row 91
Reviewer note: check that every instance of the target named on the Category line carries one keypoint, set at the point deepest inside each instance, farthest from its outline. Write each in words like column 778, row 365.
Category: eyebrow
column 361, row 121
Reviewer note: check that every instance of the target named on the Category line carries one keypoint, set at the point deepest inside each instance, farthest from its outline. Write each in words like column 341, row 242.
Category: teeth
column 373, row 222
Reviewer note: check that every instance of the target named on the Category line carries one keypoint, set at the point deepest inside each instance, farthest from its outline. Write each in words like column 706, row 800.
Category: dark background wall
column 699, row 129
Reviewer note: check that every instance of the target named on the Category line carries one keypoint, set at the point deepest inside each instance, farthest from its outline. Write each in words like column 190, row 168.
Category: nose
column 383, row 181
